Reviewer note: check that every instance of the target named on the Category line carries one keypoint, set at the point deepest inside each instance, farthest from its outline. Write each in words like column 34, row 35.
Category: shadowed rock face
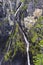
column 30, row 8
column 20, row 59
column 39, row 4
column 4, row 34
column 1, row 12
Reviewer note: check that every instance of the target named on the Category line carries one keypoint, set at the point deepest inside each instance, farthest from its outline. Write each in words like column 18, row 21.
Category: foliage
column 22, row 0
column 23, row 10
column 7, row 56
column 36, row 40
column 16, row 45
column 24, row 7
column 39, row 59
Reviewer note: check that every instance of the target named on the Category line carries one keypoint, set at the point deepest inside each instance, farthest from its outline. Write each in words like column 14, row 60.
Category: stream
column 26, row 41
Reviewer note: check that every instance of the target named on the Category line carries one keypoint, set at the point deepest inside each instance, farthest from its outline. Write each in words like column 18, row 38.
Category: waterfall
column 18, row 9
column 27, row 43
column 27, row 48
column 17, row 2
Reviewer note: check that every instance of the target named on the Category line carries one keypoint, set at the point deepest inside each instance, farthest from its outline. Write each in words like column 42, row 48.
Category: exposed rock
column 30, row 8
column 37, row 12
column 29, row 21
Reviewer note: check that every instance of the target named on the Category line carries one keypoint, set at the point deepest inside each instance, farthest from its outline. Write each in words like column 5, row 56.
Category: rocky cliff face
column 10, row 33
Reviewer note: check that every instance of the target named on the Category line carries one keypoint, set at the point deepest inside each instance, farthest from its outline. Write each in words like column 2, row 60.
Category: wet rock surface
column 6, row 29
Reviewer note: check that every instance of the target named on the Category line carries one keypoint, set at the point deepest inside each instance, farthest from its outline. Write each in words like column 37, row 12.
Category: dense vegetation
column 36, row 42
column 12, row 42
column 17, row 44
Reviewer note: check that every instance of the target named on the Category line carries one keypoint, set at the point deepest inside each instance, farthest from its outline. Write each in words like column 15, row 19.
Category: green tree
column 36, row 41
column 17, row 44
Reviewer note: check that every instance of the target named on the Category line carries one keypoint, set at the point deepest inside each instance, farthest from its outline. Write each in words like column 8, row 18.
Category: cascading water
column 27, row 43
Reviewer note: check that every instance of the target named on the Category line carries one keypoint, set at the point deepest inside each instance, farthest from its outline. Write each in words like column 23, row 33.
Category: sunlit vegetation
column 15, row 38
column 17, row 44
column 22, row 0
column 36, row 41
